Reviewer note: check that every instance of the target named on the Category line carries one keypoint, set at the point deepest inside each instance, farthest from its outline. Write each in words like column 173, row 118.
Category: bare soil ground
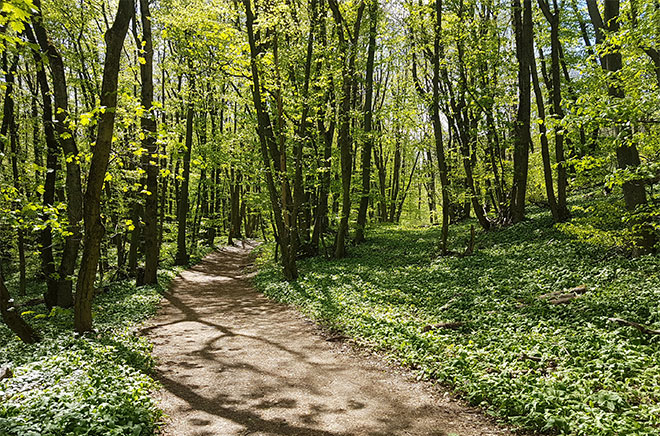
column 234, row 363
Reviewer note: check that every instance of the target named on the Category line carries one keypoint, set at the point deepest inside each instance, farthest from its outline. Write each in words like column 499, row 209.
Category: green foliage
column 562, row 369
column 98, row 384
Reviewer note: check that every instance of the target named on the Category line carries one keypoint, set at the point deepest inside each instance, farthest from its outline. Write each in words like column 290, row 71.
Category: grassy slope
column 587, row 376
column 98, row 385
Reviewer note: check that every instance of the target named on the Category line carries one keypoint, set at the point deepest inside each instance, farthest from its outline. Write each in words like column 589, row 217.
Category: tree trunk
column 399, row 208
column 523, row 22
column 396, row 177
column 368, row 115
column 11, row 317
column 348, row 49
column 430, row 187
column 150, row 156
column 321, row 213
column 52, row 164
column 73, row 177
column 634, row 192
column 9, row 123
column 437, row 127
column 183, row 205
column 136, row 238
column 545, row 150
column 270, row 155
column 301, row 206
column 235, row 179
column 555, row 95
column 94, row 229
column 382, row 182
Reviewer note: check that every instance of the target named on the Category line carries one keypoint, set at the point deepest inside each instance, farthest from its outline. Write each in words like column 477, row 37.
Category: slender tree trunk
column 522, row 137
column 583, row 28
column 368, row 115
column 493, row 154
column 321, row 215
column 465, row 121
column 321, row 220
column 382, row 182
column 597, row 21
column 289, row 203
column 150, row 158
column 200, row 206
column 136, row 238
column 300, row 197
column 430, row 187
column 9, row 123
column 396, row 177
column 437, row 127
column 348, row 49
column 183, row 205
column 36, row 137
column 270, row 155
column 52, row 164
column 236, row 178
column 73, row 177
column 94, row 229
column 555, row 95
column 399, row 209
column 634, row 192
column 545, row 150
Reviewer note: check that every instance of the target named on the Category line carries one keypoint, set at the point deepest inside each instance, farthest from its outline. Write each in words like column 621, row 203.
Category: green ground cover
column 559, row 369
column 96, row 385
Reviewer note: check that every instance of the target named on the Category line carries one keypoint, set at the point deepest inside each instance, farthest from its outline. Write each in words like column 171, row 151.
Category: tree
column 562, row 213
column 182, row 257
column 274, row 158
column 522, row 19
column 64, row 285
column 150, row 157
column 348, row 40
column 368, row 142
column 94, row 228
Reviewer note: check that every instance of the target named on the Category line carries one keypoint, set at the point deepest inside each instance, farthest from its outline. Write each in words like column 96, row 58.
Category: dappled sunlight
column 233, row 362
column 478, row 323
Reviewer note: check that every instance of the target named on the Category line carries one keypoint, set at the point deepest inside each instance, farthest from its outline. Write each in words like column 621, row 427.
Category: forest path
column 234, row 363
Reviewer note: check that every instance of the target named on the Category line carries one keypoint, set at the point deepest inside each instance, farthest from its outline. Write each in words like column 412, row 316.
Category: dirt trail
column 233, row 363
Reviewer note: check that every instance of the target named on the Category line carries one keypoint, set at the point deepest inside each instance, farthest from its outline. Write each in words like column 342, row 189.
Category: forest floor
column 232, row 362
column 483, row 325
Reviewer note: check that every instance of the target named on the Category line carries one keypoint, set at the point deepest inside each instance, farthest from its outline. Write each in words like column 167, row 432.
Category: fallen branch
column 443, row 325
column 549, row 363
column 563, row 299
column 640, row 327
column 525, row 356
column 565, row 296
column 448, row 304
column 33, row 302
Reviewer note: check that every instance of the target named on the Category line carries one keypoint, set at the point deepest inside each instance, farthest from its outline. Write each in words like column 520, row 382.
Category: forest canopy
column 309, row 120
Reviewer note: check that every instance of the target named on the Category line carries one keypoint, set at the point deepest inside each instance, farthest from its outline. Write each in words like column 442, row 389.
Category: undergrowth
column 559, row 369
column 98, row 384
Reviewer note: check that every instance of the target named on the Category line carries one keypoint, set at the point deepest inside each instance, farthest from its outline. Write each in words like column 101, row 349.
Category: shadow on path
column 233, row 363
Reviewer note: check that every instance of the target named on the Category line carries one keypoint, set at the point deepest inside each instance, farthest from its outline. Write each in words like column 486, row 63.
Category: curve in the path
column 233, row 363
